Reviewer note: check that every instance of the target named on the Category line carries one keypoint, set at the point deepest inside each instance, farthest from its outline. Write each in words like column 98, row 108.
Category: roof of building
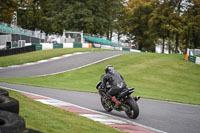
column 101, row 41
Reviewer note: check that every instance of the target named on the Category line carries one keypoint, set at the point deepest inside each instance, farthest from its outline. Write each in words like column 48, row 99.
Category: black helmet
column 109, row 68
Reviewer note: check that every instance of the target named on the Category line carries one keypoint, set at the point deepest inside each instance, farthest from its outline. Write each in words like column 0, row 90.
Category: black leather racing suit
column 116, row 81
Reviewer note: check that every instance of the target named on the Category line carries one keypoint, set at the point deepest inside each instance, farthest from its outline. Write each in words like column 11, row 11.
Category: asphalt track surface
column 165, row 116
column 57, row 66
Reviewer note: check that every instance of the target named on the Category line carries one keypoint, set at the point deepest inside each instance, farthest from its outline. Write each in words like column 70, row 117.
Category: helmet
column 109, row 68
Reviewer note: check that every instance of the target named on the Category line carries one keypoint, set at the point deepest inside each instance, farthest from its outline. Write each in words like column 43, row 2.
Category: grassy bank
column 49, row 119
column 40, row 55
column 155, row 76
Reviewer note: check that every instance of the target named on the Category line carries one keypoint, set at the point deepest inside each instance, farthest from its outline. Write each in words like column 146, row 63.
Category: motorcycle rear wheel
column 133, row 113
column 105, row 106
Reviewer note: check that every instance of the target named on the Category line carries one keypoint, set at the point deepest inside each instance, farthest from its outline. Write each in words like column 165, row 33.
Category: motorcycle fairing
column 126, row 92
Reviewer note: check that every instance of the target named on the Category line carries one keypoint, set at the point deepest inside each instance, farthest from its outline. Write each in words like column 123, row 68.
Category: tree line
column 145, row 22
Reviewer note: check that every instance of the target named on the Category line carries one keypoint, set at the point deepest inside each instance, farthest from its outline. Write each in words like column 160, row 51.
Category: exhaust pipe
column 137, row 98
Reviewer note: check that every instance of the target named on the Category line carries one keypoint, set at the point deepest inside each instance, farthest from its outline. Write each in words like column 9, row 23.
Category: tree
column 90, row 16
column 83, row 18
column 160, row 21
column 191, row 19
column 30, row 14
column 104, row 14
column 194, row 11
column 135, row 23
column 7, row 9
column 112, row 9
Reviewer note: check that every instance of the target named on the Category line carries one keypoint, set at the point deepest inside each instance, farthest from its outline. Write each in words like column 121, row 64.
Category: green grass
column 40, row 55
column 155, row 76
column 49, row 119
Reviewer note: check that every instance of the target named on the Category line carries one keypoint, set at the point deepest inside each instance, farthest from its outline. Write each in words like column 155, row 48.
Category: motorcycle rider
column 116, row 81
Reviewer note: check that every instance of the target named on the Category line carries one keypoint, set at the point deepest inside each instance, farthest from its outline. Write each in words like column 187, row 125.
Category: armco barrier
column 68, row 45
column 125, row 49
column 192, row 58
column 86, row 45
column 197, row 60
column 77, row 45
column 46, row 46
column 17, row 50
column 58, row 45
column 38, row 46
column 192, row 55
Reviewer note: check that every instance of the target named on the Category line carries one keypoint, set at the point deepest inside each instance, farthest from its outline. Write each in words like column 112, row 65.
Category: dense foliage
column 171, row 22
column 145, row 22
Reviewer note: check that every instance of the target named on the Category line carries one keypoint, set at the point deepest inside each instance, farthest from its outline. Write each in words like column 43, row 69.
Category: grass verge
column 49, row 119
column 40, row 55
column 155, row 76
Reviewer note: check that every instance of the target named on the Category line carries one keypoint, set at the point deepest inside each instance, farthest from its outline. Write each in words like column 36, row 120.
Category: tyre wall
column 10, row 121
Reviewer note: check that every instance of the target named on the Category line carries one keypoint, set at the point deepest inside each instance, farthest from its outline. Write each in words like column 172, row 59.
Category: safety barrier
column 192, row 55
column 38, row 46
column 46, row 46
column 77, row 45
column 13, row 51
column 58, row 45
column 125, row 49
column 194, row 59
column 11, row 121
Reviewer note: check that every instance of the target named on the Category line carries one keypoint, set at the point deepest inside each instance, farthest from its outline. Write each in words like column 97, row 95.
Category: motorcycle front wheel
column 134, row 109
column 105, row 106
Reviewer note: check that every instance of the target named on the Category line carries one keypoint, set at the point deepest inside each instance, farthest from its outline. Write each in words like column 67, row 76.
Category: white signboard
column 197, row 60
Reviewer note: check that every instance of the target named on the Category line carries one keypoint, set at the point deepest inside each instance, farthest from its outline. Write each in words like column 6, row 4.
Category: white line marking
column 107, row 121
column 67, row 55
column 29, row 64
column 53, row 102
column 111, row 116
column 46, row 60
column 103, row 119
column 78, row 53
column 42, row 61
column 79, row 66
column 14, row 66
column 55, row 58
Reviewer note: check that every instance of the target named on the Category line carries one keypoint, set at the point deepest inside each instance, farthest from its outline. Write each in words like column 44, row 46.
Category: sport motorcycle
column 126, row 102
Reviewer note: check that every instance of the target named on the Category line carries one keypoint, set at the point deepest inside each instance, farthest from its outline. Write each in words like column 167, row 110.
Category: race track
column 164, row 116
column 57, row 66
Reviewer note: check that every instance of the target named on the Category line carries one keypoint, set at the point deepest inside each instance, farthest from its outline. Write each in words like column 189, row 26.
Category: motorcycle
column 126, row 102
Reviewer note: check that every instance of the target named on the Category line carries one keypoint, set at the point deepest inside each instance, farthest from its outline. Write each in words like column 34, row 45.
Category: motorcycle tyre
column 134, row 109
column 108, row 109
column 9, row 104
column 11, row 123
